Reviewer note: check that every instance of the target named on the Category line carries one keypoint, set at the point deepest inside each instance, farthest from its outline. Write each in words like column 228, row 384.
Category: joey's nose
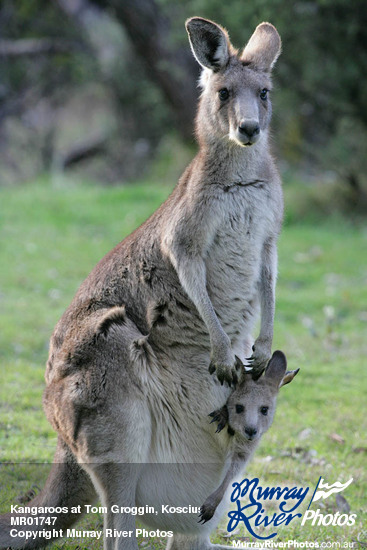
column 249, row 128
column 250, row 432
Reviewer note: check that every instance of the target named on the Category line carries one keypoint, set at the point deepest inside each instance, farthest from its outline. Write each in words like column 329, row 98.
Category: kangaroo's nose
column 250, row 432
column 249, row 127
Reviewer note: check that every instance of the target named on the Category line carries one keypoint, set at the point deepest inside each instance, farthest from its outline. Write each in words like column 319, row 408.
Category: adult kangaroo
column 155, row 335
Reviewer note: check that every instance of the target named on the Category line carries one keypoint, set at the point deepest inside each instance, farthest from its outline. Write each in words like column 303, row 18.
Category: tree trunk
column 171, row 67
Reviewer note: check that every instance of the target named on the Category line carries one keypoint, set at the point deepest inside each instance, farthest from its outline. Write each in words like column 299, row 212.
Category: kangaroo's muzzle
column 248, row 132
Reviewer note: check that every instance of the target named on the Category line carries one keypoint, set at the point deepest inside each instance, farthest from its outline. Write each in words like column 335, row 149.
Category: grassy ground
column 51, row 237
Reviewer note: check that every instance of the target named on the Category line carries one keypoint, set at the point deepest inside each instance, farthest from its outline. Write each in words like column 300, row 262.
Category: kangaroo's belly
column 176, row 492
column 187, row 459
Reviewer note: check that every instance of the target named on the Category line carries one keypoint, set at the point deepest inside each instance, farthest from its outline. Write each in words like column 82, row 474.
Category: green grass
column 52, row 236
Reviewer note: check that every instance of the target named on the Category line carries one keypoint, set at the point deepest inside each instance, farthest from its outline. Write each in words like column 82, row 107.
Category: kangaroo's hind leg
column 112, row 449
column 115, row 441
column 116, row 484
column 98, row 403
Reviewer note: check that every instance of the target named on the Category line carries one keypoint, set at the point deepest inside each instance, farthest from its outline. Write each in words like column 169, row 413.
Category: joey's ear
column 209, row 43
column 288, row 377
column 263, row 48
column 276, row 368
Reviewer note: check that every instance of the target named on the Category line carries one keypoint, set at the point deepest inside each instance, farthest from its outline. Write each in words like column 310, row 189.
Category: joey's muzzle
column 250, row 433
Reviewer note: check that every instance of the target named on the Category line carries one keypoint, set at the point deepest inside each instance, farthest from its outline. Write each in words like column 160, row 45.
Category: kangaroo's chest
column 234, row 257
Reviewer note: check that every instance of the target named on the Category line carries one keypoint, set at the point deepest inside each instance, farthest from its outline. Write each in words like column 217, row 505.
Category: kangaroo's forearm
column 234, row 469
column 187, row 256
column 192, row 275
column 213, row 501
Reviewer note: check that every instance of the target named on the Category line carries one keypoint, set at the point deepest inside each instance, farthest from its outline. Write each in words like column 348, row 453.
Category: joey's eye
column 239, row 409
column 264, row 410
column 264, row 94
column 223, row 94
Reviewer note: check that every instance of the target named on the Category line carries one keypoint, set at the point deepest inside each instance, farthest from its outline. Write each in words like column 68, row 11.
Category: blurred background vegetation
column 105, row 90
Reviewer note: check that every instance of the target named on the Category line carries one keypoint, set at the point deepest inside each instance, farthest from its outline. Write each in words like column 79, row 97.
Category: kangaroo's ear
column 209, row 43
column 263, row 48
column 288, row 377
column 276, row 368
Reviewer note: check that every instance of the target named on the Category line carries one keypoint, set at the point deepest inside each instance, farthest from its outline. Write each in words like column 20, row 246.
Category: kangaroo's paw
column 220, row 416
column 226, row 371
column 206, row 513
column 259, row 359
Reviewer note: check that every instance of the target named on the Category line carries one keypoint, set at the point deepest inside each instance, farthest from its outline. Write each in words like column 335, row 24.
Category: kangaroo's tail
column 67, row 486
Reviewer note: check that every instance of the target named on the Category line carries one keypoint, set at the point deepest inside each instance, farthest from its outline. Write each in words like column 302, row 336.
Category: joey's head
column 235, row 101
column 251, row 406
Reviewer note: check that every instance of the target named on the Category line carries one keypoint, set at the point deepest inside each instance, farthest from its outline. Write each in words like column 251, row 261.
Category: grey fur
column 128, row 388
column 247, row 422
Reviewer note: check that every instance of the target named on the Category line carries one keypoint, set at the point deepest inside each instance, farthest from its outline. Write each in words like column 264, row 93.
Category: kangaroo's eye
column 264, row 410
column 264, row 94
column 223, row 94
column 239, row 409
